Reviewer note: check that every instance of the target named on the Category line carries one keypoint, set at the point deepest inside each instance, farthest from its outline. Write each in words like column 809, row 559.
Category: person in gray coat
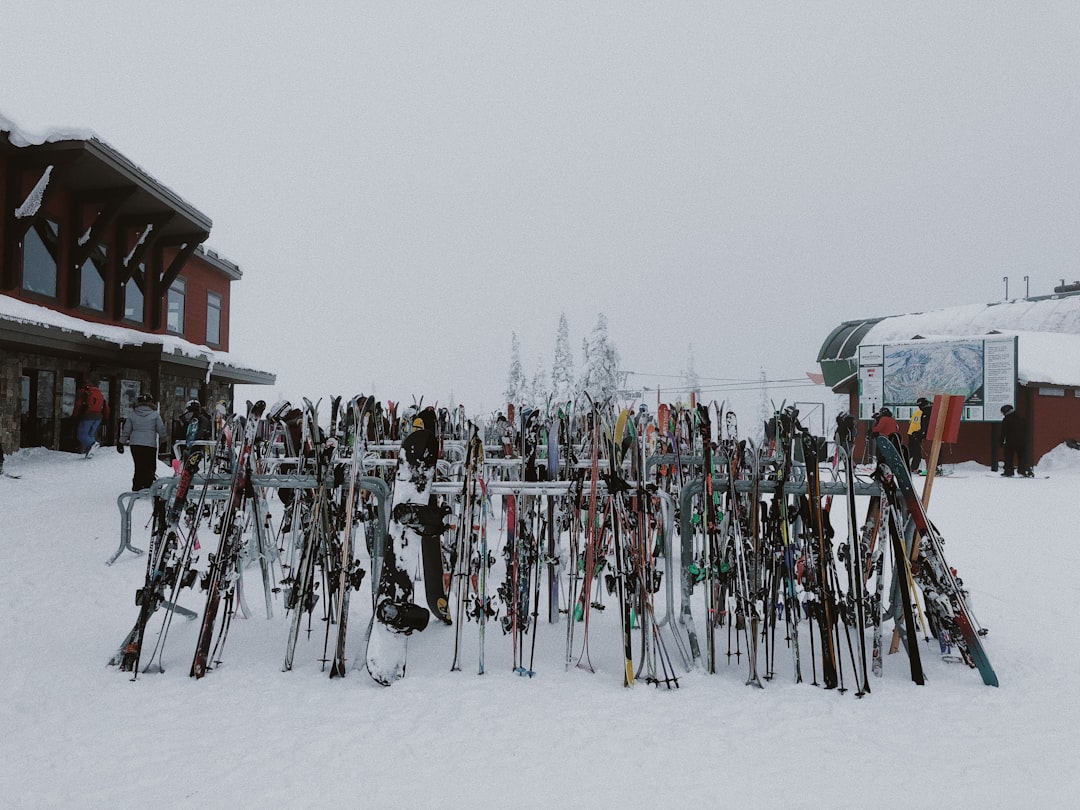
column 143, row 432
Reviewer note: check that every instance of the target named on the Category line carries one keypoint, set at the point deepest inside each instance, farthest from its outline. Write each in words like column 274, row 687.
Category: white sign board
column 982, row 370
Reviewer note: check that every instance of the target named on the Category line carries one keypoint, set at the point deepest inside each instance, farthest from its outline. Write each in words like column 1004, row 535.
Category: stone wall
column 10, row 381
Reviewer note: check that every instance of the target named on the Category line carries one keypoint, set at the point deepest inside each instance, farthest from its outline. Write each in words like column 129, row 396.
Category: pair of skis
column 946, row 599
column 224, row 572
column 168, row 562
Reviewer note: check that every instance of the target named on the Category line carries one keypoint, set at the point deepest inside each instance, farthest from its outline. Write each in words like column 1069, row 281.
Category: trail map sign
column 982, row 370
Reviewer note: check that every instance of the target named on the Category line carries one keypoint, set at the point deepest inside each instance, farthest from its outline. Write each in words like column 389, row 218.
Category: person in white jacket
column 143, row 432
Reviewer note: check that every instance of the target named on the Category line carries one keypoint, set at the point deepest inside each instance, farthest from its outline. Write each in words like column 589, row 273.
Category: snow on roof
column 22, row 137
column 1048, row 328
column 12, row 309
column 1048, row 357
column 1058, row 313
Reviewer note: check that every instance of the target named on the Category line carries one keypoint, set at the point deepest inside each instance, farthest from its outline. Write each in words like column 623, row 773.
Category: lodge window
column 68, row 391
column 40, row 250
column 213, row 318
column 133, row 298
column 92, row 281
column 175, row 319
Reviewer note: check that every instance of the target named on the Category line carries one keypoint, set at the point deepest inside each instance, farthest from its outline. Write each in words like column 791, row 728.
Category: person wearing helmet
column 885, row 424
column 143, row 431
column 917, row 427
column 196, row 422
column 1013, row 440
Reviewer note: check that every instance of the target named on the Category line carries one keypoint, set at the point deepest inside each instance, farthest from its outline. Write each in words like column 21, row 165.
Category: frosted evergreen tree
column 538, row 386
column 602, row 374
column 690, row 378
column 562, row 368
column 765, row 408
column 515, row 380
column 586, row 364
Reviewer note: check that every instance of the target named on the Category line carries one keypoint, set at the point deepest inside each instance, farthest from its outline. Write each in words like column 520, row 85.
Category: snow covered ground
column 77, row 733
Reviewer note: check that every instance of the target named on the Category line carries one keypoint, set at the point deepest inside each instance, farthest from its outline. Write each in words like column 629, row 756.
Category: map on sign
column 922, row 370
column 981, row 370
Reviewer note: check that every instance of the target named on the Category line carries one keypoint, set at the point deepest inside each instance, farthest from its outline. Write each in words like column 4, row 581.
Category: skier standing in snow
column 143, row 431
column 90, row 409
column 920, row 422
column 1013, row 441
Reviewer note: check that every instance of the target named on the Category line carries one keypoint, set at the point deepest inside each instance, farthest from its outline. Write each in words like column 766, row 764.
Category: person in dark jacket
column 143, row 431
column 1013, row 440
column 196, row 423
column 917, row 427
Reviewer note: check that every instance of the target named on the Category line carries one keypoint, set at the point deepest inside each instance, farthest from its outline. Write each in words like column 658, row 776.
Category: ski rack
column 450, row 447
column 218, row 487
column 125, row 502
column 558, row 489
column 443, row 466
column 693, row 488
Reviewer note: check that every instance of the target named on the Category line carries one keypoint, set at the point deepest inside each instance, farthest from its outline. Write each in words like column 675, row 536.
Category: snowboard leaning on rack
column 397, row 616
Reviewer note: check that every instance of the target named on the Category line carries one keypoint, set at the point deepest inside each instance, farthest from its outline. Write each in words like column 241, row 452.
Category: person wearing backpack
column 143, row 431
column 90, row 409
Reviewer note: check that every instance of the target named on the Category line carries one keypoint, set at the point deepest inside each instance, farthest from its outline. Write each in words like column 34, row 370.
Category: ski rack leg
column 125, row 502
column 183, row 611
column 686, row 532
column 668, row 524
column 381, row 490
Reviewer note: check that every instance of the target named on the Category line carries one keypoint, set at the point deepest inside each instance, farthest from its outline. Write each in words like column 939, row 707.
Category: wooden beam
column 946, row 417
column 9, row 279
column 156, row 290
column 941, row 412
column 111, row 199
column 150, row 230
column 15, row 228
column 172, row 272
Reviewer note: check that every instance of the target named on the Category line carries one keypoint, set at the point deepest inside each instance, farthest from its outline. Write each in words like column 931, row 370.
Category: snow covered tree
column 562, row 368
column 690, row 377
column 515, row 380
column 602, row 373
column 765, row 411
column 538, row 386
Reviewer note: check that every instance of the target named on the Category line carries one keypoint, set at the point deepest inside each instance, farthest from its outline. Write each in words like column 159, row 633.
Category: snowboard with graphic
column 397, row 616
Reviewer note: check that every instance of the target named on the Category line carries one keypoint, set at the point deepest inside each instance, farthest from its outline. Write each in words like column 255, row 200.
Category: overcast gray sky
column 406, row 184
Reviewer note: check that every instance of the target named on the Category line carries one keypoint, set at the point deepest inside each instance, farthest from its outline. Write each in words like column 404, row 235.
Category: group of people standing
column 885, row 424
column 142, row 430
column 1012, row 437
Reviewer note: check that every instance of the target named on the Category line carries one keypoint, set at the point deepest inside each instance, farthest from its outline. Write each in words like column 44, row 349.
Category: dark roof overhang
column 838, row 356
column 93, row 170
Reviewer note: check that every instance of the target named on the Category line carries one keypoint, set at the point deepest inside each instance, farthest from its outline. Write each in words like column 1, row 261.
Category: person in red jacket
column 885, row 424
column 90, row 409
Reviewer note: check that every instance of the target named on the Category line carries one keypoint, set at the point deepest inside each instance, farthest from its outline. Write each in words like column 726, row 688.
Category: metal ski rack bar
column 218, row 488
